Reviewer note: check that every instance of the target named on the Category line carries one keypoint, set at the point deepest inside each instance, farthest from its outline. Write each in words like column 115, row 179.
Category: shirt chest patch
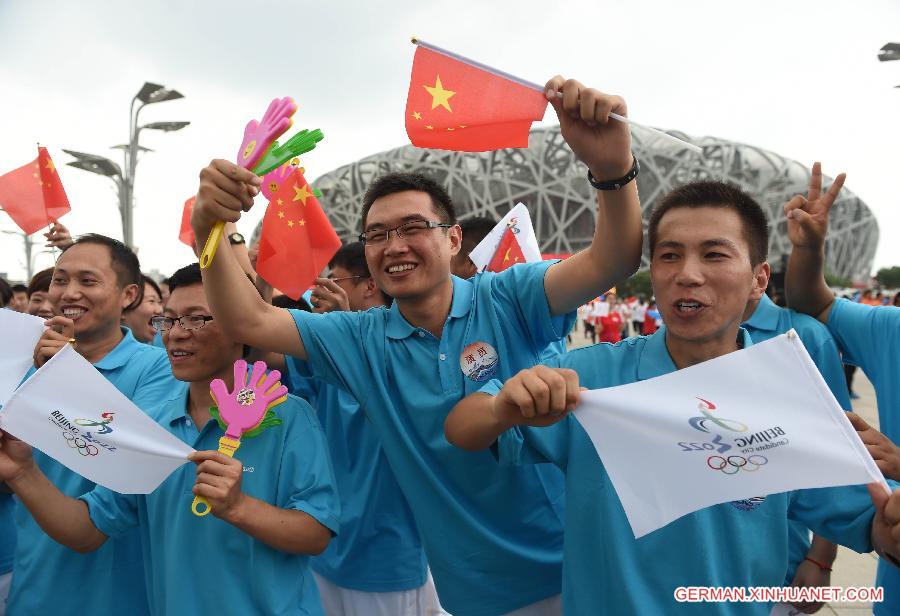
column 479, row 361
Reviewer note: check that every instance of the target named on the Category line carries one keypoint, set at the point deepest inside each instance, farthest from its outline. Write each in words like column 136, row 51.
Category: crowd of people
column 427, row 460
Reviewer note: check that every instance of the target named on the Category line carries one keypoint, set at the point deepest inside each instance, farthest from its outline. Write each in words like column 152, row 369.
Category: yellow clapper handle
column 212, row 244
column 227, row 445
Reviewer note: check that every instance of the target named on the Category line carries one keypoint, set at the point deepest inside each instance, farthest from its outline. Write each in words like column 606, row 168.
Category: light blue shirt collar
column 121, row 353
column 399, row 328
column 655, row 359
column 766, row 317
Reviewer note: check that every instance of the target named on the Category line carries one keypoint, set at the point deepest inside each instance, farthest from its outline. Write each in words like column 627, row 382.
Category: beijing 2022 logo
column 81, row 434
column 729, row 464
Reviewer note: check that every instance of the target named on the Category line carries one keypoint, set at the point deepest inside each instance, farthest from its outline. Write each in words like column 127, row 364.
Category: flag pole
column 540, row 88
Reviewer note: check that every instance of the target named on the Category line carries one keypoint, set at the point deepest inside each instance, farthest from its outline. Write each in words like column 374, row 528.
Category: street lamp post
column 124, row 176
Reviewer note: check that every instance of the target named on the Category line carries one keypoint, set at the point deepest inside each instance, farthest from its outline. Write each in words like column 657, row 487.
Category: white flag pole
column 540, row 88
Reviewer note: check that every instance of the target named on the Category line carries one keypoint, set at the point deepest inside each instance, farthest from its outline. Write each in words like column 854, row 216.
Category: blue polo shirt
column 51, row 579
column 7, row 533
column 378, row 549
column 869, row 336
column 493, row 536
column 608, row 571
column 197, row 565
column 768, row 321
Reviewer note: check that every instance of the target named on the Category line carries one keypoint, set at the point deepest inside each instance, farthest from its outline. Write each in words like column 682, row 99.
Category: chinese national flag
column 453, row 105
column 508, row 253
column 186, row 234
column 33, row 195
column 297, row 241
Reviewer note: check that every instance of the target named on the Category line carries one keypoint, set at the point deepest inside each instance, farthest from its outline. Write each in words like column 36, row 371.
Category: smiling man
column 409, row 364
column 708, row 244
column 272, row 505
column 94, row 280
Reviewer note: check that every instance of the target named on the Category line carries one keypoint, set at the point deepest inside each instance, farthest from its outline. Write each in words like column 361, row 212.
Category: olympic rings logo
column 732, row 464
column 80, row 445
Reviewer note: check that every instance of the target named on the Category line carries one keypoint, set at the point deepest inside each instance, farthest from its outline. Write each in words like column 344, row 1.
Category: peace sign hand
column 807, row 218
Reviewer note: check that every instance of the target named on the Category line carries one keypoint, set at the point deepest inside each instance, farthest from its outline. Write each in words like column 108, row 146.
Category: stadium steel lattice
column 548, row 179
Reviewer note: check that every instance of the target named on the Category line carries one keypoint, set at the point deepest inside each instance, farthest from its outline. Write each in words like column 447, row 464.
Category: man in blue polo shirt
column 708, row 245
column 441, row 339
column 809, row 562
column 94, row 281
column 7, row 544
column 868, row 336
column 272, row 505
column 376, row 566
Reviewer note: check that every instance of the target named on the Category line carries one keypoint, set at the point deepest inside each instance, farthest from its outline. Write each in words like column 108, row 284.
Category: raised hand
column 328, row 296
column 58, row 236
column 882, row 449
column 301, row 143
column 600, row 142
column 807, row 217
column 259, row 136
column 245, row 406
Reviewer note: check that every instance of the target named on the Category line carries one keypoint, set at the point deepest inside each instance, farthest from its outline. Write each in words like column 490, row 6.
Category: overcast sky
column 800, row 78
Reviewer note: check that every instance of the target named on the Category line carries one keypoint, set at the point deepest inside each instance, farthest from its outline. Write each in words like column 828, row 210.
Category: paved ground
column 850, row 568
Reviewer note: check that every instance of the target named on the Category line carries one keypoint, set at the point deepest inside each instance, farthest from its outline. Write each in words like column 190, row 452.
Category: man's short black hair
column 40, row 282
column 718, row 194
column 474, row 230
column 352, row 257
column 186, row 276
column 124, row 262
column 283, row 301
column 401, row 181
column 19, row 288
column 6, row 293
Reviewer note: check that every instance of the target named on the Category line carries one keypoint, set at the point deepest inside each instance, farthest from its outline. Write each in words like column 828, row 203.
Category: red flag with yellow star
column 33, row 194
column 297, row 240
column 508, row 253
column 455, row 105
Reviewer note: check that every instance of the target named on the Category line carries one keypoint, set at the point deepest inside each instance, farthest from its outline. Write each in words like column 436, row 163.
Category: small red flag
column 297, row 241
column 186, row 234
column 33, row 194
column 508, row 253
column 454, row 105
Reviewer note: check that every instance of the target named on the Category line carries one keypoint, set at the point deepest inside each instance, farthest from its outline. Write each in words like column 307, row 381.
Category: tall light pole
column 30, row 255
column 889, row 53
column 124, row 176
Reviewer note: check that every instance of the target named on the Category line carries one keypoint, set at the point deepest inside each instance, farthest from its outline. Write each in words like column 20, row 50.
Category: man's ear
column 761, row 275
column 129, row 296
column 455, row 235
column 371, row 287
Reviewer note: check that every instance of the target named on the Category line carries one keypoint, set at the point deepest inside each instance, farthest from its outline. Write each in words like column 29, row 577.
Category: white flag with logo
column 736, row 428
column 68, row 410
column 20, row 333
column 516, row 218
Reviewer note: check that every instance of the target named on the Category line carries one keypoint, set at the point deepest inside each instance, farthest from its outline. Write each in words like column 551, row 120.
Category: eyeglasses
column 346, row 278
column 189, row 322
column 407, row 230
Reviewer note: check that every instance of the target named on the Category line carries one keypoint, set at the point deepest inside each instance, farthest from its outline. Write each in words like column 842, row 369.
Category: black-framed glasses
column 189, row 322
column 407, row 230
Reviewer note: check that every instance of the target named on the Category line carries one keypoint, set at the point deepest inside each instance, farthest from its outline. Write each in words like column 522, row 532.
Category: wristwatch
column 236, row 238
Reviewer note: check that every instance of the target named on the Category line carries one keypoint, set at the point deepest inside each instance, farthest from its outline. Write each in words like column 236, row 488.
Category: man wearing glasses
column 441, row 338
column 376, row 566
column 272, row 506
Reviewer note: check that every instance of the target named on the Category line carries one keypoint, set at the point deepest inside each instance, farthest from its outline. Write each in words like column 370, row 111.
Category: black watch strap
column 616, row 184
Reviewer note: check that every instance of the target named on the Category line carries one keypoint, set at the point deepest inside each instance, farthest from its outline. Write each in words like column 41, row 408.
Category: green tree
column 889, row 277
column 639, row 284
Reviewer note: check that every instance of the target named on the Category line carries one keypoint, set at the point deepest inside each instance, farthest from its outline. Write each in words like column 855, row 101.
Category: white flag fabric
column 20, row 333
column 517, row 217
column 748, row 424
column 68, row 410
